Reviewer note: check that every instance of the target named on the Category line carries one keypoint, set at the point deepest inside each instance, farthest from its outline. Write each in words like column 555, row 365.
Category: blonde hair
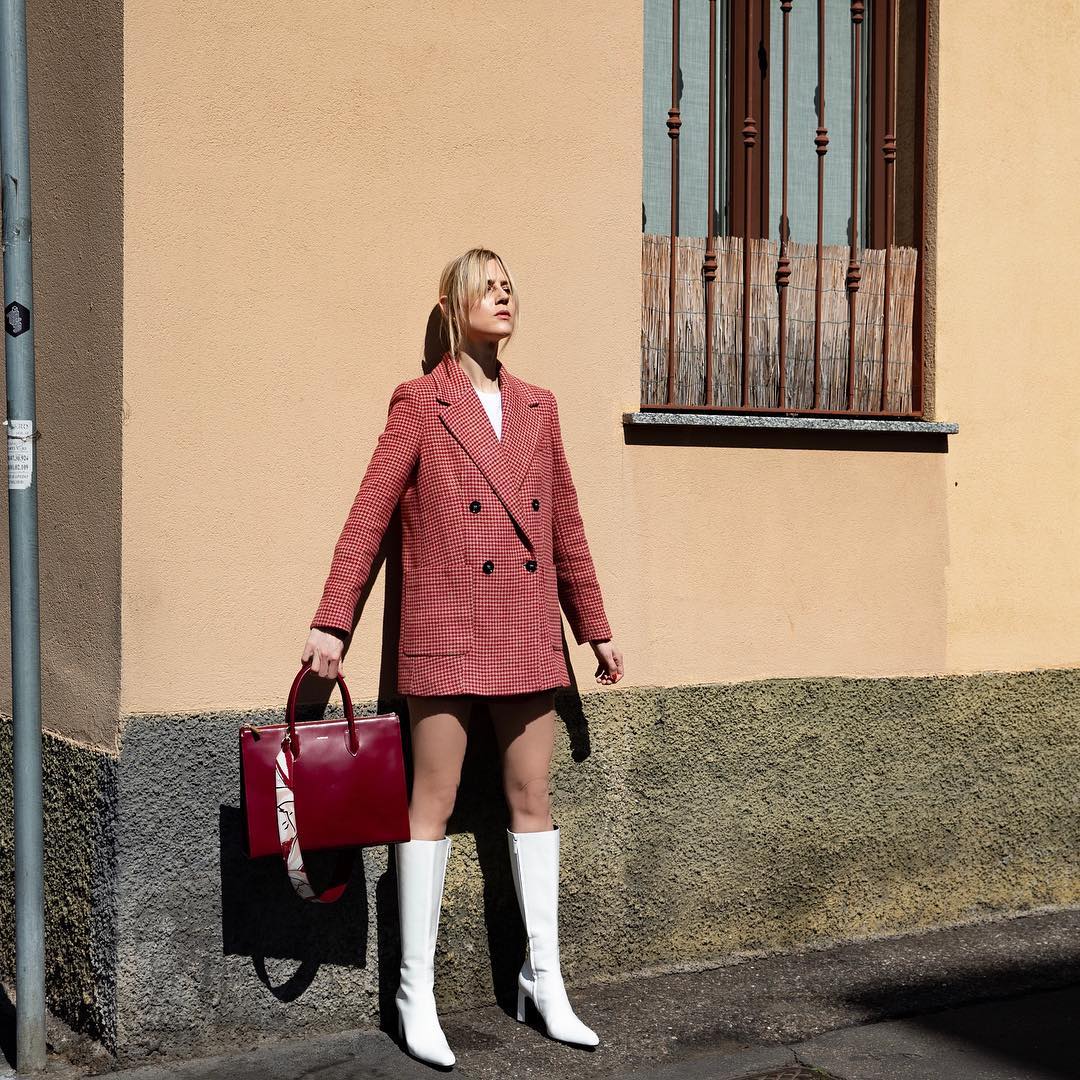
column 463, row 282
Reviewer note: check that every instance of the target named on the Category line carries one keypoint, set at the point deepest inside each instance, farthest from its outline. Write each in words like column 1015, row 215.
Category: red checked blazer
column 492, row 539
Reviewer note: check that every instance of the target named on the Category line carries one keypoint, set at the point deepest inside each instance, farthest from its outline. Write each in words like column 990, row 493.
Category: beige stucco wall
column 290, row 198
column 1006, row 359
column 75, row 75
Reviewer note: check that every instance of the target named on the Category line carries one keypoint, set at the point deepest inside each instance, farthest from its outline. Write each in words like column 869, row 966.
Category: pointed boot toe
column 423, row 1038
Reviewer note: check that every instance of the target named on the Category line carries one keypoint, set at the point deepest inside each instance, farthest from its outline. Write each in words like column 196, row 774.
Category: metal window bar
column 867, row 300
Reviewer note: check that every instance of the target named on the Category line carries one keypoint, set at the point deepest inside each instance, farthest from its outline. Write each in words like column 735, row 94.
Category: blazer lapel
column 503, row 463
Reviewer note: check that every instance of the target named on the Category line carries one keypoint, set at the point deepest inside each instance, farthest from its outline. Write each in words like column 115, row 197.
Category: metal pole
column 22, row 527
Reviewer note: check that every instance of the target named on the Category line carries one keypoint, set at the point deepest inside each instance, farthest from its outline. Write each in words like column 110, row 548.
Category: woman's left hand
column 610, row 670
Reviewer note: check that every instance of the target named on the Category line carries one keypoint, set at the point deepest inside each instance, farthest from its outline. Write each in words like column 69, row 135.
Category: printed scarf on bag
column 290, row 841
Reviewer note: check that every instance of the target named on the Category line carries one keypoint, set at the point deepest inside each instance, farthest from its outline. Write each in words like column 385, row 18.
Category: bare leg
column 525, row 732
column 439, row 734
column 440, row 729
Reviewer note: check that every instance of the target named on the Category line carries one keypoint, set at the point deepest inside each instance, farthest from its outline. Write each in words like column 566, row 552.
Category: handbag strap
column 290, row 839
column 288, row 835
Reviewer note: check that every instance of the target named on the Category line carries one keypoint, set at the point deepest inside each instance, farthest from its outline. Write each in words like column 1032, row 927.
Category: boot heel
column 521, row 1005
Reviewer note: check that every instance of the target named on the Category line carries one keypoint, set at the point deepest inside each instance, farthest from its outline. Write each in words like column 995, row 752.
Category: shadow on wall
column 7, row 1028
column 262, row 918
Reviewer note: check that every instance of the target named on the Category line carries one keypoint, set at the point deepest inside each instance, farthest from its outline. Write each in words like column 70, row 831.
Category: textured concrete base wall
column 80, row 873
column 696, row 821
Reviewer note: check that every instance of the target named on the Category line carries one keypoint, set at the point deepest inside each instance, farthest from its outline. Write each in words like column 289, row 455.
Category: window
column 824, row 189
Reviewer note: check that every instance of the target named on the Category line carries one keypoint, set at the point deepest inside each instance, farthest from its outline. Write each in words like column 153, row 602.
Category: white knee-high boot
column 534, row 859
column 421, row 870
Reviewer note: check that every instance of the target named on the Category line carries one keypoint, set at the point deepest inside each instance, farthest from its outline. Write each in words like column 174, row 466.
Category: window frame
column 876, row 192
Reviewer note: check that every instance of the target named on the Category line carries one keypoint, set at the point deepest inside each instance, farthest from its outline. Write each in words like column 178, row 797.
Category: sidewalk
column 998, row 1001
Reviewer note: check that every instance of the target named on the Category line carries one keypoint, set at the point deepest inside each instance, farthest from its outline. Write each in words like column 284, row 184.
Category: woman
column 492, row 542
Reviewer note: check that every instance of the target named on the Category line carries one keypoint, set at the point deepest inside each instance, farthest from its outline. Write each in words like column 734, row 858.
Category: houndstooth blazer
column 492, row 539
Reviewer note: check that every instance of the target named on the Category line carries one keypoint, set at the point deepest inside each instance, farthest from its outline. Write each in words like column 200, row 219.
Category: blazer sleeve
column 384, row 482
column 579, row 591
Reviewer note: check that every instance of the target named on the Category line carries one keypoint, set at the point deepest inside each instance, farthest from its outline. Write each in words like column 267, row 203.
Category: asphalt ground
column 998, row 1000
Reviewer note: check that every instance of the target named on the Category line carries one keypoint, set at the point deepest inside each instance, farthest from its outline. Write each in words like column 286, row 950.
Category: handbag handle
column 290, row 711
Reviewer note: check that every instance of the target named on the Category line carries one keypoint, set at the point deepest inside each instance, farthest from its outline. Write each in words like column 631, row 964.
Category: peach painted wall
column 76, row 97
column 291, row 193
column 1007, row 371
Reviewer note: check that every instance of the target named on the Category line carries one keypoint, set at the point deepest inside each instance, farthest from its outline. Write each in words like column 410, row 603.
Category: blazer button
column 536, row 504
column 488, row 566
column 474, row 506
column 531, row 566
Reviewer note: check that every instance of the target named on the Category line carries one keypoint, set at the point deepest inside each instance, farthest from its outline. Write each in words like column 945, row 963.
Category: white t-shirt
column 492, row 402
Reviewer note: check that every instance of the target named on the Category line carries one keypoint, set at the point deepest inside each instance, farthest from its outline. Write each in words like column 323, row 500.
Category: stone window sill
column 776, row 420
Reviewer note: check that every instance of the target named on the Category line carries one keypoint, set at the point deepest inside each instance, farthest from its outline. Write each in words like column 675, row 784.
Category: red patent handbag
column 336, row 784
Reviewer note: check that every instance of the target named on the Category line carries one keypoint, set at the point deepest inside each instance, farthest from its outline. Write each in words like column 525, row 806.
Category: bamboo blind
column 764, row 374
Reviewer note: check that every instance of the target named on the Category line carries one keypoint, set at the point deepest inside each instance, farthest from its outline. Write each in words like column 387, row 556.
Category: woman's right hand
column 324, row 651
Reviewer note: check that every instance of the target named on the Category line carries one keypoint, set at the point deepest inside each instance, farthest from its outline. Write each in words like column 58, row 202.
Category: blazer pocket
column 437, row 611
